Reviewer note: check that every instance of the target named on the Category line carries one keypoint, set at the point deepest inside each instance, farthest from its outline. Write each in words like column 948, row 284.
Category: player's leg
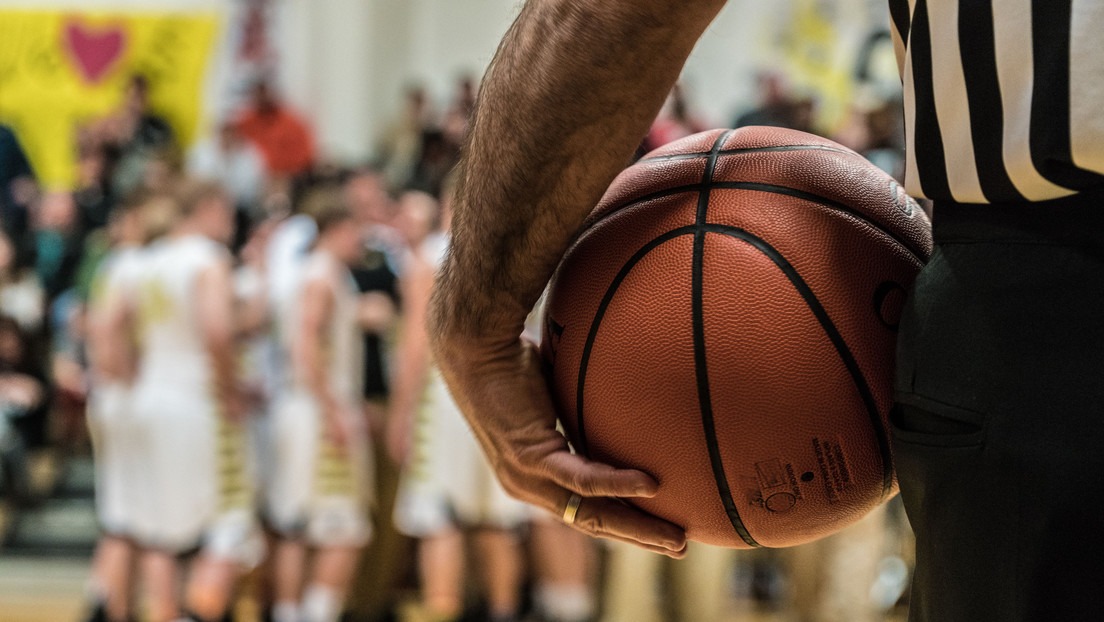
column 562, row 563
column 333, row 569
column 832, row 578
column 210, row 588
column 441, row 574
column 232, row 539
column 500, row 565
column 294, row 445
column 111, row 576
column 160, row 578
column 289, row 560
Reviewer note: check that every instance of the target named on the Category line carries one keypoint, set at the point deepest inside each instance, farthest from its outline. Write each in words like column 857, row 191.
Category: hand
column 400, row 436
column 375, row 312
column 503, row 394
column 342, row 424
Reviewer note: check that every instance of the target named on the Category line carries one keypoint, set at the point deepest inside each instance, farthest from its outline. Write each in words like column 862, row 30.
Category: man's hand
column 567, row 99
column 515, row 422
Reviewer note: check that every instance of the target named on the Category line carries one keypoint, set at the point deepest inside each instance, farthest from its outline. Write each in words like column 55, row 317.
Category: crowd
column 240, row 327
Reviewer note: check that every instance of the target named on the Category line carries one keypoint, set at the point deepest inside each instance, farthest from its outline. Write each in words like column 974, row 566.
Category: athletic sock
column 285, row 611
column 320, row 604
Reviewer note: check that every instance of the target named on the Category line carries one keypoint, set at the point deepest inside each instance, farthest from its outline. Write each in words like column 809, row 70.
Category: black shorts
column 999, row 422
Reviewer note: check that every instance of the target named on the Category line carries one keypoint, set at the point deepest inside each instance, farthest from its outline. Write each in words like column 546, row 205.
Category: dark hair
column 326, row 205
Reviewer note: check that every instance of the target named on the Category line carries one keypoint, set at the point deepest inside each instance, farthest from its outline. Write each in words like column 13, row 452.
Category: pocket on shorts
column 919, row 420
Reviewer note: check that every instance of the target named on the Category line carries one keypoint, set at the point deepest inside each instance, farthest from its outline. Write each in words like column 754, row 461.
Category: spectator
column 401, row 147
column 57, row 242
column 16, row 183
column 131, row 134
column 21, row 294
column 777, row 107
column 22, row 396
column 93, row 195
column 675, row 121
column 281, row 136
column 234, row 162
column 455, row 124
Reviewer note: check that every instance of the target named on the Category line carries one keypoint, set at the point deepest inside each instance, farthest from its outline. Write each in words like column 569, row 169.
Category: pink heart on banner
column 95, row 50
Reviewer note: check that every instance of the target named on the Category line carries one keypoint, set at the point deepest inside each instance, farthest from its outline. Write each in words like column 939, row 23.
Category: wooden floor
column 53, row 590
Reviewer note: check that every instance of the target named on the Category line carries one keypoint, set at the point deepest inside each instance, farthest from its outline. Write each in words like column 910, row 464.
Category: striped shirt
column 1004, row 99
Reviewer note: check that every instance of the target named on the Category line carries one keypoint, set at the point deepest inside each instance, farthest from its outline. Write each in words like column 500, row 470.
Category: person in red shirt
column 281, row 135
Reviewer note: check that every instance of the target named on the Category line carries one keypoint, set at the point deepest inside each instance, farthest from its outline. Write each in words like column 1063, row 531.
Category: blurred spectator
column 401, row 147
column 21, row 294
column 438, row 157
column 131, row 135
column 675, row 121
column 280, row 134
column 232, row 161
column 777, row 106
column 16, row 183
column 57, row 242
column 93, row 194
column 22, row 396
column 885, row 127
column 455, row 124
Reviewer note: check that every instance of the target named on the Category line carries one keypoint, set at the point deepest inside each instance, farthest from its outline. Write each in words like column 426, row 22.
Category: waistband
column 1076, row 220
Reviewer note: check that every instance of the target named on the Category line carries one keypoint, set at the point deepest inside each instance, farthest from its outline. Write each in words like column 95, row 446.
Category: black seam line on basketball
column 775, row 189
column 834, row 336
column 707, row 177
column 724, row 152
column 701, row 364
column 595, row 324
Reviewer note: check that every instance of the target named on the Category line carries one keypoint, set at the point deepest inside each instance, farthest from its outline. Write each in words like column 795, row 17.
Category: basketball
column 726, row 322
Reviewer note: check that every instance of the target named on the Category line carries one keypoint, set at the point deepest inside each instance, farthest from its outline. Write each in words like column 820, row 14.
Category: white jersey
column 343, row 345
column 109, row 404
column 316, row 491
column 448, row 481
column 172, row 342
column 196, row 489
column 116, row 281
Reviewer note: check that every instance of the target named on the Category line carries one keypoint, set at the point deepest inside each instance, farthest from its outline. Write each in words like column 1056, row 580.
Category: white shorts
column 315, row 491
column 117, row 460
column 195, row 487
column 448, row 482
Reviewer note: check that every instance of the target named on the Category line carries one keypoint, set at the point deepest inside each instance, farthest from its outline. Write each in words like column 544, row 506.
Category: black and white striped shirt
column 1004, row 99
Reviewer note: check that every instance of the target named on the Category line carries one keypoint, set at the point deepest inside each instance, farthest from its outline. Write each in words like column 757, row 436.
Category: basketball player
column 447, row 485
column 112, row 360
column 1001, row 346
column 321, row 484
column 196, row 493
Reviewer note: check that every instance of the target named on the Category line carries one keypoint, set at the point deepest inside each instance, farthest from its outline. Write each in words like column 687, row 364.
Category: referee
column 999, row 421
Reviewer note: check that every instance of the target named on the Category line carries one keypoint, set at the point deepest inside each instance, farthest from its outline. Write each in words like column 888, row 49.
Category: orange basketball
column 727, row 321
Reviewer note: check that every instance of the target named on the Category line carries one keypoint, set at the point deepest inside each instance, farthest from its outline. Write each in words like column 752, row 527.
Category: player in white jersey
column 112, row 358
column 196, row 492
column 320, row 488
column 447, row 484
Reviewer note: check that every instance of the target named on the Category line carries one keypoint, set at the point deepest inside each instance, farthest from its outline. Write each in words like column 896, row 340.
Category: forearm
column 569, row 95
column 222, row 354
column 310, row 361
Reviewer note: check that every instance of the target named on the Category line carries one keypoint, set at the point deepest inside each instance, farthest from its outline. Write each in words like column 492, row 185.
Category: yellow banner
column 59, row 70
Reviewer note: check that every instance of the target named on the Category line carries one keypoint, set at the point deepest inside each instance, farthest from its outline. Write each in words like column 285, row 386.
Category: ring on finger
column 572, row 509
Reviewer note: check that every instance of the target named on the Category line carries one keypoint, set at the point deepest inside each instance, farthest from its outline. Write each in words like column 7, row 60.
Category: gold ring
column 573, row 503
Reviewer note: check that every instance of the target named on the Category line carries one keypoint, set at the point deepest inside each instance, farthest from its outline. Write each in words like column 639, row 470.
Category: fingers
column 610, row 518
column 593, row 479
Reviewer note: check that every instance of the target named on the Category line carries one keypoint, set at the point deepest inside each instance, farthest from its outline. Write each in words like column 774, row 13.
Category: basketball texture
column 726, row 322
